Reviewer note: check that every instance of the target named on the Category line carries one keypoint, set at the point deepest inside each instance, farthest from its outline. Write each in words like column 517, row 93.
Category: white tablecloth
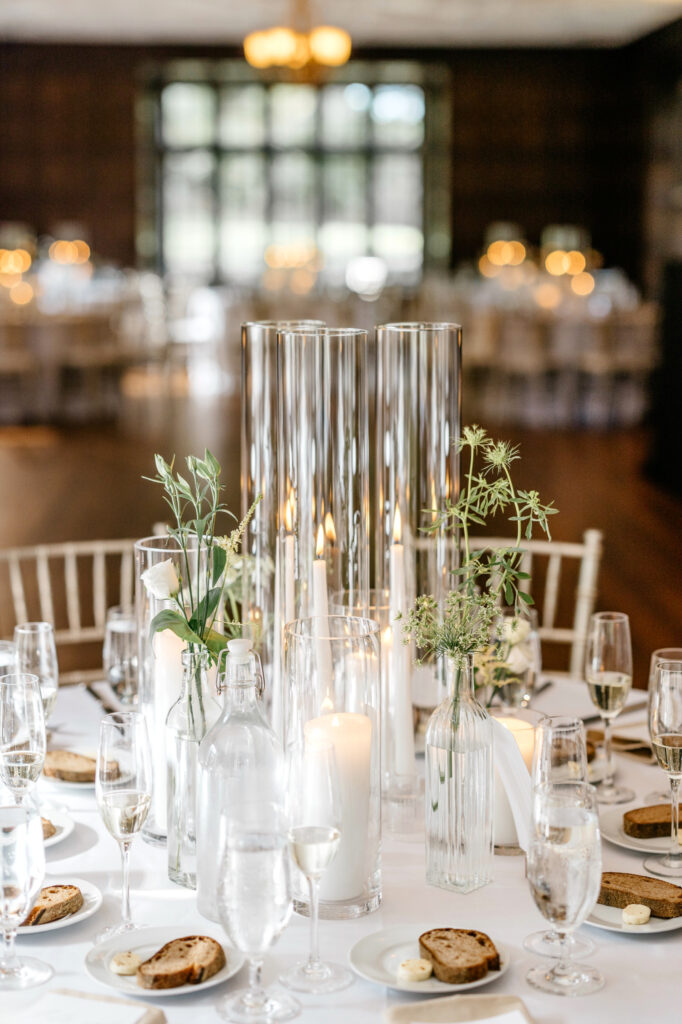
column 642, row 973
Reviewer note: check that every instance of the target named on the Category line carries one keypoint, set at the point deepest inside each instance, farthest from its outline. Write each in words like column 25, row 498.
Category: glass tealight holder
column 522, row 723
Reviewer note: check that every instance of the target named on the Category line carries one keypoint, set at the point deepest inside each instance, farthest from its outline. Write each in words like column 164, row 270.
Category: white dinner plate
column 378, row 956
column 62, row 821
column 145, row 942
column 611, row 919
column 611, row 826
column 92, row 901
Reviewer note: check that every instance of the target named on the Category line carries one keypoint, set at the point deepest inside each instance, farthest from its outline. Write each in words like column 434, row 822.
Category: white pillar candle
column 167, row 649
column 400, row 702
column 351, row 735
column 504, row 829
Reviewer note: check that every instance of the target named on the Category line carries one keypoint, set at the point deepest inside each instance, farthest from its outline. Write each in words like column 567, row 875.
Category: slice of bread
column 187, row 961
column 55, row 902
column 620, row 889
column 459, row 955
column 648, row 822
column 48, row 828
column 71, row 767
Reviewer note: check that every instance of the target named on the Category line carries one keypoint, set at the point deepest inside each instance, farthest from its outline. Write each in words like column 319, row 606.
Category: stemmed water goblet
column 123, row 787
column 665, row 728
column 37, row 653
column 660, row 796
column 608, row 672
column 564, row 874
column 254, row 904
column 560, row 756
column 314, row 813
column 22, row 733
column 119, row 652
column 22, row 866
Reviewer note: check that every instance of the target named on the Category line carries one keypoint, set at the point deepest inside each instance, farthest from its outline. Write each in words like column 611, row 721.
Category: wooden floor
column 85, row 482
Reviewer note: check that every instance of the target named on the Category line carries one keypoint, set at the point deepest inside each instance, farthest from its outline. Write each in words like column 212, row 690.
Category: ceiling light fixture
column 299, row 47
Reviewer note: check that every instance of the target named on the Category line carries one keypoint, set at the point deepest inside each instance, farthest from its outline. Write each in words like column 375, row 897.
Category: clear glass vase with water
column 459, row 787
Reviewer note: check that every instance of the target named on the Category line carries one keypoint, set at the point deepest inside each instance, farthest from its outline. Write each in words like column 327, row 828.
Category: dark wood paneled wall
column 539, row 137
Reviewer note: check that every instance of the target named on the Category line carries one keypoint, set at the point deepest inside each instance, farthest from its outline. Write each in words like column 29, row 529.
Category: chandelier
column 298, row 47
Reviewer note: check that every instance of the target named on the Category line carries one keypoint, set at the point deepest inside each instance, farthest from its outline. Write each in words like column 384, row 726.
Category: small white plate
column 378, row 956
column 62, row 821
column 611, row 826
column 145, row 942
column 92, row 901
column 611, row 919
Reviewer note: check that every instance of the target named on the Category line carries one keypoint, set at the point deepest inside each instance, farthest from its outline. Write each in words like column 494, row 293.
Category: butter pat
column 415, row 970
column 636, row 913
column 125, row 963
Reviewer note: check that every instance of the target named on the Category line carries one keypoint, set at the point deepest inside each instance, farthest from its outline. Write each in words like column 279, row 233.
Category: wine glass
column 8, row 657
column 518, row 659
column 37, row 653
column 22, row 867
column 123, row 787
column 660, row 796
column 560, row 755
column 608, row 671
column 564, row 874
column 22, row 733
column 254, row 904
column 665, row 728
column 119, row 652
column 314, row 834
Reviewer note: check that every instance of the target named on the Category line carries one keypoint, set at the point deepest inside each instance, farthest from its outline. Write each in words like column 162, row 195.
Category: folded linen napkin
column 66, row 1006
column 461, row 1009
column 515, row 778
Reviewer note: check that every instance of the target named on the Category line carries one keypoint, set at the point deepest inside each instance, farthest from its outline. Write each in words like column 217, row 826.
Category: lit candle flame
column 319, row 545
column 397, row 526
column 329, row 528
column 326, row 706
column 288, row 515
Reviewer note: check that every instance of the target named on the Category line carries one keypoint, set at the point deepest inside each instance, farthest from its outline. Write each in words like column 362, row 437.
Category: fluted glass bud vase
column 189, row 719
column 459, row 787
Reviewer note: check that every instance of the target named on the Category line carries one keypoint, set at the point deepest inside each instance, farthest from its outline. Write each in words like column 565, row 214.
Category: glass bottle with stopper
column 240, row 761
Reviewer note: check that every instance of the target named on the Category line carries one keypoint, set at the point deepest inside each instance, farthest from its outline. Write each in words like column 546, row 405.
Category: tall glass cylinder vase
column 260, row 580
column 418, row 424
column 323, row 474
column 459, row 787
column 160, row 661
column 332, row 667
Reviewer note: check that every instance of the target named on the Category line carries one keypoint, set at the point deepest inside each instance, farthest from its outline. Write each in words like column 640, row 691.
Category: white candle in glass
column 321, row 610
column 400, row 701
column 504, row 829
column 167, row 649
column 351, row 735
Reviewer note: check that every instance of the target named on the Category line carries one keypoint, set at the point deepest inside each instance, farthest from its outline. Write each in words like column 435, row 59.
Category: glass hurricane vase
column 189, row 719
column 459, row 787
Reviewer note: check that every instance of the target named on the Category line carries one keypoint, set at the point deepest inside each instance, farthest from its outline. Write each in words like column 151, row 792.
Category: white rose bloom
column 161, row 580
column 518, row 660
column 514, row 630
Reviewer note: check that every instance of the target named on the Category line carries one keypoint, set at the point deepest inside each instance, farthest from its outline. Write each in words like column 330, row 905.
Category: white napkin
column 515, row 779
column 107, row 693
column 64, row 1006
column 463, row 1009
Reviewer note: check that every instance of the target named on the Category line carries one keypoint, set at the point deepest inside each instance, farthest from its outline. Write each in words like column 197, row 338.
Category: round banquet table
column 642, row 972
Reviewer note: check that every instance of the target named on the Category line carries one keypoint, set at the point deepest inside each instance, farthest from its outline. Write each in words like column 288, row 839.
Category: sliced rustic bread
column 48, row 828
column 620, row 889
column 187, row 961
column 72, row 767
column 459, row 955
column 55, row 902
column 648, row 822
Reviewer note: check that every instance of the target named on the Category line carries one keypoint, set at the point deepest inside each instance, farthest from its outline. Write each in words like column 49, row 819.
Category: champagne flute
column 123, row 786
column 665, row 728
column 254, row 904
column 564, row 874
column 660, row 796
column 22, row 867
column 560, row 756
column 37, row 653
column 314, row 835
column 22, row 733
column 608, row 671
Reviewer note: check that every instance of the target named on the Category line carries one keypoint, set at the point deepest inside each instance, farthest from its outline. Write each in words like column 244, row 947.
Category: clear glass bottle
column 240, row 760
column 459, row 787
column 188, row 721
